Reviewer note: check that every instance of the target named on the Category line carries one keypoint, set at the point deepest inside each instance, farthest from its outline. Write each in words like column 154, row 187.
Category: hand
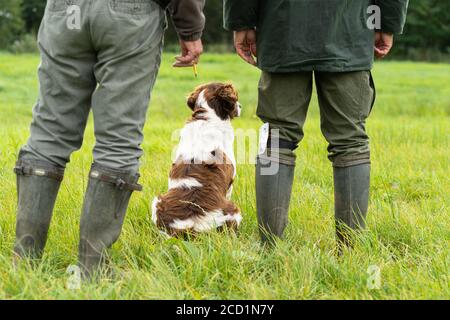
column 383, row 44
column 245, row 44
column 190, row 53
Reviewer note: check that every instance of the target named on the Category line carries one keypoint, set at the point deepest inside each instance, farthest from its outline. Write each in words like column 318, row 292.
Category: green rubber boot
column 274, row 178
column 37, row 187
column 104, row 208
column 351, row 199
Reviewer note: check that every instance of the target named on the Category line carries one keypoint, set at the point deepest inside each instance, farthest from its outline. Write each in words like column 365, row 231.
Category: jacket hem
column 291, row 69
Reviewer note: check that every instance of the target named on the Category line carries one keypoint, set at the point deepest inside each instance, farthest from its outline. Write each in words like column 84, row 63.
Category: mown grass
column 409, row 226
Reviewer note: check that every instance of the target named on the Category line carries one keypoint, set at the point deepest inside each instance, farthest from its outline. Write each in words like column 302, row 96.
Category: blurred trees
column 427, row 28
column 11, row 24
column 32, row 12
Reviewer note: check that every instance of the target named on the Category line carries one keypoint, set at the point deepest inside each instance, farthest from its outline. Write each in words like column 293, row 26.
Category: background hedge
column 427, row 32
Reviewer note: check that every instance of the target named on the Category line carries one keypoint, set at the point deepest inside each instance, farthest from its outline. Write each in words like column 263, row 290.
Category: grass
column 409, row 225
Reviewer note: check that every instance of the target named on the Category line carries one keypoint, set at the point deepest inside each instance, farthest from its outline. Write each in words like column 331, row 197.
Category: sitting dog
column 201, row 178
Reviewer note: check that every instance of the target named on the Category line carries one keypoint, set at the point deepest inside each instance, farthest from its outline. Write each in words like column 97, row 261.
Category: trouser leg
column 66, row 82
column 283, row 103
column 128, row 61
column 346, row 100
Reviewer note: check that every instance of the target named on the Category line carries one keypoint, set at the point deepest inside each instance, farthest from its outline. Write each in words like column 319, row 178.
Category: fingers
column 253, row 49
column 251, row 40
column 186, row 61
column 379, row 53
column 383, row 44
column 182, row 62
column 245, row 44
column 190, row 53
column 246, row 54
column 381, row 50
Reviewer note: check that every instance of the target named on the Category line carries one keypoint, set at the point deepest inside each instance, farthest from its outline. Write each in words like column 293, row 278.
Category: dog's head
column 222, row 98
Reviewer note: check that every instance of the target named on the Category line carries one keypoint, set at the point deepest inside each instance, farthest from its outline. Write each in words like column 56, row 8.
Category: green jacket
column 187, row 17
column 322, row 35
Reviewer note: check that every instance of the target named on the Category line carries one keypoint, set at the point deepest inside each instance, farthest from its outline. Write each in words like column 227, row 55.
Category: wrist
column 190, row 37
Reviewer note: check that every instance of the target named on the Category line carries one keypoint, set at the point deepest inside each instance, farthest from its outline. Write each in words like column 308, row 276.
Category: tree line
column 427, row 31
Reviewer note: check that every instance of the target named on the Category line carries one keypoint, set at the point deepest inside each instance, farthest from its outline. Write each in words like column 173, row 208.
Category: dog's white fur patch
column 211, row 220
column 187, row 183
column 199, row 138
column 229, row 192
column 239, row 110
column 155, row 202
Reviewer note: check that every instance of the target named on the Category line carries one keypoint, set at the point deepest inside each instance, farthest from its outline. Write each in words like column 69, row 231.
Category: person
column 333, row 42
column 104, row 56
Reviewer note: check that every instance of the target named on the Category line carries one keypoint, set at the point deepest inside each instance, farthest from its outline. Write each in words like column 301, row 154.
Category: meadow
column 408, row 234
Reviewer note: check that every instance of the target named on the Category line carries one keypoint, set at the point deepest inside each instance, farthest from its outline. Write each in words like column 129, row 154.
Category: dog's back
column 197, row 197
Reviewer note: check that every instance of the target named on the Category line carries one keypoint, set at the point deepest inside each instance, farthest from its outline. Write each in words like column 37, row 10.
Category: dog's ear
column 227, row 93
column 228, row 98
column 193, row 96
column 192, row 99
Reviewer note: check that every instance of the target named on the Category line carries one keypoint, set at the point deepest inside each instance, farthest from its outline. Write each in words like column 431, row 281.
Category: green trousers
column 100, row 55
column 345, row 101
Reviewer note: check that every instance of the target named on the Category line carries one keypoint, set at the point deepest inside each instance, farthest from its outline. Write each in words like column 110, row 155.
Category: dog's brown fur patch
column 222, row 98
column 216, row 177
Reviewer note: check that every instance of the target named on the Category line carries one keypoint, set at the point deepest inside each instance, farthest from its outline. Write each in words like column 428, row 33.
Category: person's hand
column 245, row 44
column 383, row 44
column 190, row 53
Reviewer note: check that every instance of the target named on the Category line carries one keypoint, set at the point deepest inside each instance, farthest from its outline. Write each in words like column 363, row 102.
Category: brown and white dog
column 201, row 178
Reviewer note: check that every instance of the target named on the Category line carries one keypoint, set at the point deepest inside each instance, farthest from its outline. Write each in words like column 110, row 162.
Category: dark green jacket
column 322, row 35
column 187, row 17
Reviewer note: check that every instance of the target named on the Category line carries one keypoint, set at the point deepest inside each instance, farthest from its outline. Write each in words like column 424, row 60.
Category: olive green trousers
column 101, row 56
column 345, row 101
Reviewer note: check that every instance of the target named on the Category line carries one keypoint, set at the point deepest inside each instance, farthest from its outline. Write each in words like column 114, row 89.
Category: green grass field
column 408, row 224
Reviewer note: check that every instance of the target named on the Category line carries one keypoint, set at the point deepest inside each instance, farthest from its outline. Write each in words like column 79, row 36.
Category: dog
column 202, row 175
